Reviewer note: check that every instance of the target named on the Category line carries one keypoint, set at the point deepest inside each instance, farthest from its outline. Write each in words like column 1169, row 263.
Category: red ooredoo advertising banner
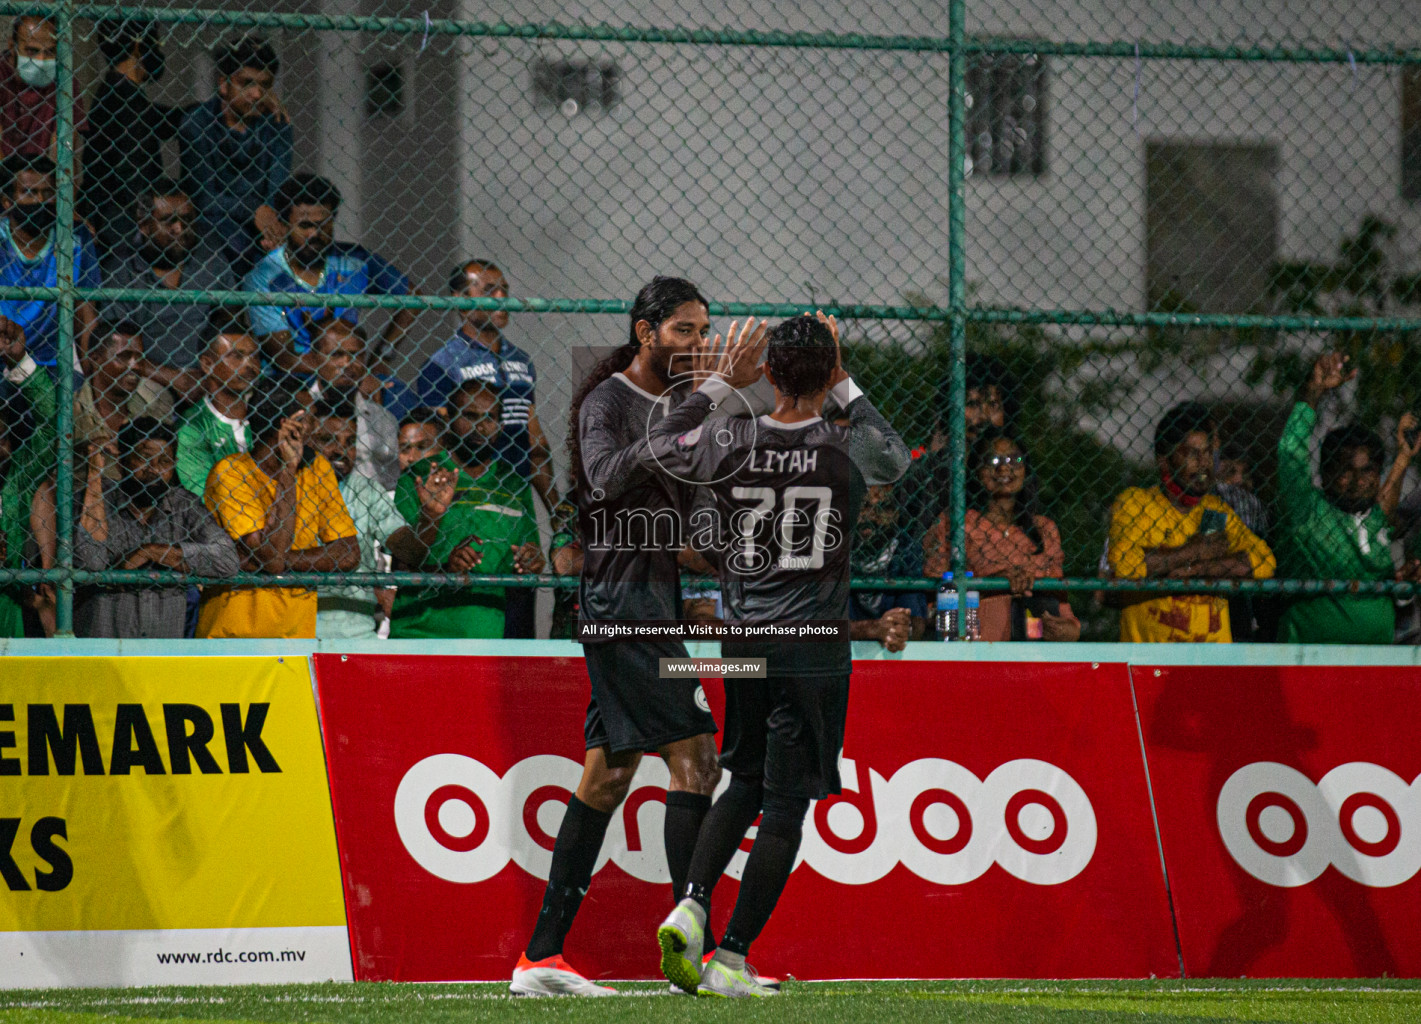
column 1289, row 816
column 996, row 822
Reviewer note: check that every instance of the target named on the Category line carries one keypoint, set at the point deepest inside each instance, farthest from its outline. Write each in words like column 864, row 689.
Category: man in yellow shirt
column 1179, row 530
column 282, row 504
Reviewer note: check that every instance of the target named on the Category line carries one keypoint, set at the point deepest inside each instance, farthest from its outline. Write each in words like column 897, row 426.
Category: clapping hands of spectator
column 1021, row 579
column 465, row 557
column 528, row 559
column 895, row 625
column 436, row 492
column 291, row 441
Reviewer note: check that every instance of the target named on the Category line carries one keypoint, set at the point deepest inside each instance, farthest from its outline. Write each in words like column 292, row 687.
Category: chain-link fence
column 1045, row 225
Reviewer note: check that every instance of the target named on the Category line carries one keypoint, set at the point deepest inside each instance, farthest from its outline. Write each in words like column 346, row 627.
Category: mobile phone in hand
column 1213, row 521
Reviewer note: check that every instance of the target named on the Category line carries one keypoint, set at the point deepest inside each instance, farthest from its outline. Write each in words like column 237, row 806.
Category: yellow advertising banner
column 157, row 797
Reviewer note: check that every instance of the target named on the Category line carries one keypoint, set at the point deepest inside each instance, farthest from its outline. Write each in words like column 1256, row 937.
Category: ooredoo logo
column 1284, row 829
column 463, row 823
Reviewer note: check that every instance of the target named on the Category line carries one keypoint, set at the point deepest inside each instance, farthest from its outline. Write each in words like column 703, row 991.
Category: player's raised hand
column 706, row 356
column 739, row 363
column 839, row 372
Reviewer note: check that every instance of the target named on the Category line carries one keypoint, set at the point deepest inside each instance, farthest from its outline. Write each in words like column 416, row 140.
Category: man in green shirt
column 1338, row 531
column 486, row 525
column 216, row 427
column 24, row 463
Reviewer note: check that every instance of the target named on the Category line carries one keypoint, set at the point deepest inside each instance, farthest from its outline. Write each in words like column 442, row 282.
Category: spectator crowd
column 214, row 441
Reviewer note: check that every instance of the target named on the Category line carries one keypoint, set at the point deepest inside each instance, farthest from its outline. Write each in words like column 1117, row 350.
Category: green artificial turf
column 970, row 1002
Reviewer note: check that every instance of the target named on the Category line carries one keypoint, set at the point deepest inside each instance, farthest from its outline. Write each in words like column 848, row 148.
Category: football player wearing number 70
column 791, row 485
column 630, row 573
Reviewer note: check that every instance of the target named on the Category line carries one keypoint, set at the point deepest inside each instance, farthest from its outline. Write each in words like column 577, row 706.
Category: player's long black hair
column 654, row 303
column 1024, row 518
column 801, row 356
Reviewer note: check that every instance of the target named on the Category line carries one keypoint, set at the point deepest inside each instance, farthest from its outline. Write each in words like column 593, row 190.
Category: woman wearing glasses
column 1006, row 536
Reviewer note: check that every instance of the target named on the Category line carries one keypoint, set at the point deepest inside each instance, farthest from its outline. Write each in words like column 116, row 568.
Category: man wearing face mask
column 487, row 526
column 28, row 257
column 128, row 129
column 142, row 520
column 28, row 97
column 1340, row 530
column 1179, row 530
column 349, row 612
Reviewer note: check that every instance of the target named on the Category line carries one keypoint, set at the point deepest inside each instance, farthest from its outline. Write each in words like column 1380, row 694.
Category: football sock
column 766, row 872
column 574, row 856
column 725, row 825
column 684, row 814
column 735, row 961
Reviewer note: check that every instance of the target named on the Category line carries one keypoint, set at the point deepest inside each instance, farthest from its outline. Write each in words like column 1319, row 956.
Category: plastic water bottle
column 974, row 614
column 946, row 619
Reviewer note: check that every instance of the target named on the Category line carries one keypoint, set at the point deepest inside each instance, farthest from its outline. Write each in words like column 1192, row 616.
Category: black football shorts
column 788, row 728
column 631, row 708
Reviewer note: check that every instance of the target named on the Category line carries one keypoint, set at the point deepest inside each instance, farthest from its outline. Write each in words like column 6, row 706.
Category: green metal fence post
column 64, row 272
column 957, row 291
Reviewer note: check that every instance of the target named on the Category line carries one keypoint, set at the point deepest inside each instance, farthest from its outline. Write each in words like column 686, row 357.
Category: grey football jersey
column 786, row 502
column 630, row 518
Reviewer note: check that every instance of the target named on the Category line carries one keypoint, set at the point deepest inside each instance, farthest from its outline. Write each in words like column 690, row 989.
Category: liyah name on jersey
column 793, row 460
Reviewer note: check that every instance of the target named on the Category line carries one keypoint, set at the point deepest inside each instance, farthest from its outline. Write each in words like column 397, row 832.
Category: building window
column 1411, row 134
column 576, row 85
column 384, row 91
column 1006, row 114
